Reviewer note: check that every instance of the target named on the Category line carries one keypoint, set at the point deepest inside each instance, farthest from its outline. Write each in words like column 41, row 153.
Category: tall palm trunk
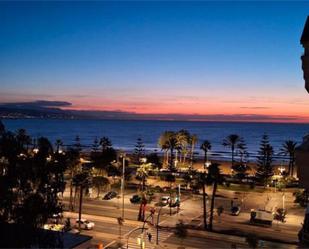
column 172, row 158
column 204, row 205
column 191, row 157
column 205, row 158
column 292, row 165
column 233, row 149
column 214, row 190
column 176, row 156
column 99, row 190
column 71, row 193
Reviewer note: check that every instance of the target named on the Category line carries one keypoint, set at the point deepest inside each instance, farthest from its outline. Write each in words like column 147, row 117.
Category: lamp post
column 122, row 183
column 128, row 237
column 158, row 220
column 283, row 200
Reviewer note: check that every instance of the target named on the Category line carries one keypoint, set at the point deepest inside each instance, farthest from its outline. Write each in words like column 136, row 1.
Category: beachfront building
column 305, row 57
column 302, row 152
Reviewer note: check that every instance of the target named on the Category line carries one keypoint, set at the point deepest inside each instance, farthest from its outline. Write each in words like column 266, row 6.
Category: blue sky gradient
column 156, row 57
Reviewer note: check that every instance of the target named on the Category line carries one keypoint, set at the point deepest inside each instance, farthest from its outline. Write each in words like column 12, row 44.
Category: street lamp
column 122, row 182
column 158, row 220
column 283, row 200
column 207, row 164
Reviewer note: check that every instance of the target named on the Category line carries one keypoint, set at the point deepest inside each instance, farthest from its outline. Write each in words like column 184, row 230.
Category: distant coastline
column 43, row 109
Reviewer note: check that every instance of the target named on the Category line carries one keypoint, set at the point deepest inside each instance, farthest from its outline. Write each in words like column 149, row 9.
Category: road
column 104, row 214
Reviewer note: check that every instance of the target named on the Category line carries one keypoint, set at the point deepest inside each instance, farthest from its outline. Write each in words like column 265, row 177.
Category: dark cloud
column 36, row 104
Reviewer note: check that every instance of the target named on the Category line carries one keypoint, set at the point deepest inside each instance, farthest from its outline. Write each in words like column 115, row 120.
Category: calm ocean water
column 124, row 133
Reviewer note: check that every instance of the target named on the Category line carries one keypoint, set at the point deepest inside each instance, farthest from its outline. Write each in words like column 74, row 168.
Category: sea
column 124, row 133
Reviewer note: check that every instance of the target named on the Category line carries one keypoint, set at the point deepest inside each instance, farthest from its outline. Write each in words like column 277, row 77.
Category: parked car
column 110, row 195
column 85, row 224
column 164, row 200
column 261, row 217
column 135, row 199
column 235, row 210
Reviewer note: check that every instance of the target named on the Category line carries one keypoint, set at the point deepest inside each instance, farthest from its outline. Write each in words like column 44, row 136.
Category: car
column 164, row 200
column 235, row 210
column 85, row 224
column 110, row 195
column 57, row 216
column 135, row 199
column 261, row 217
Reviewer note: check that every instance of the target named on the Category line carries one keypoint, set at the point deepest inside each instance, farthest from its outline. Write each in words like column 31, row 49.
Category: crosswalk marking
column 136, row 243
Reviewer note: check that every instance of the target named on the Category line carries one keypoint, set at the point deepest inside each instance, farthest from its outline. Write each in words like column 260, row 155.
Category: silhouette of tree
column 206, row 147
column 100, row 182
column 168, row 141
column 58, row 144
column 105, row 143
column 233, row 142
column 29, row 183
column 154, row 159
column 95, row 145
column 288, row 148
column 23, row 139
column 213, row 177
column 2, row 128
column 139, row 150
column 264, row 161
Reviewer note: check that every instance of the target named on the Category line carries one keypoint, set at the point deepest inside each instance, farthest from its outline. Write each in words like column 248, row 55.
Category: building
column 305, row 57
column 302, row 151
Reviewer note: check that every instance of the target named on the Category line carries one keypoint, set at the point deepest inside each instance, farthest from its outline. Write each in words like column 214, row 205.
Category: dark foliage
column 264, row 161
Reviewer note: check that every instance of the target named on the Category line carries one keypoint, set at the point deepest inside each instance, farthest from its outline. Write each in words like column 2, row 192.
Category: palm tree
column 183, row 140
column 73, row 156
column 213, row 177
column 168, row 141
column 81, row 181
column 142, row 173
column 233, row 141
column 288, row 148
column 205, row 146
column 201, row 182
column 193, row 140
column 163, row 145
column 58, row 144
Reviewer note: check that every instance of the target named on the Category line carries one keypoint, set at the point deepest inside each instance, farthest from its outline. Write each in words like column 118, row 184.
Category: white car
column 85, row 224
column 165, row 200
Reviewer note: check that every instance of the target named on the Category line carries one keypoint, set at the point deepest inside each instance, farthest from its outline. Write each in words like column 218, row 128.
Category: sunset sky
column 157, row 57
